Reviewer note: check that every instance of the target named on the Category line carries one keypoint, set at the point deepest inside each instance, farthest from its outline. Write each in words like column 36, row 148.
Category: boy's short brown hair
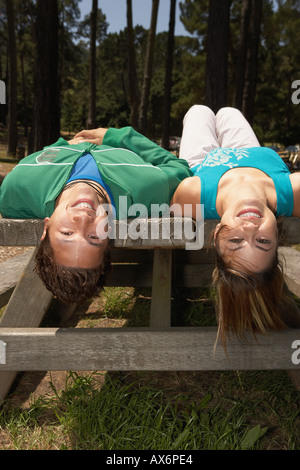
column 69, row 284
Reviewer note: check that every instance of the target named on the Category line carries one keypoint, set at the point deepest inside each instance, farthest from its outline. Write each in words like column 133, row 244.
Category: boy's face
column 74, row 228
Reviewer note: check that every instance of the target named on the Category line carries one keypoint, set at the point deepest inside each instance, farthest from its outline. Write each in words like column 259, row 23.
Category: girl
column 247, row 187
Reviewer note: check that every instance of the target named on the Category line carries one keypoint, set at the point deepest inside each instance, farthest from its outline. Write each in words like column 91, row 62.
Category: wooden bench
column 137, row 261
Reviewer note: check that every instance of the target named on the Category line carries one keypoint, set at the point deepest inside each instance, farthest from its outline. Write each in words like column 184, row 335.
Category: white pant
column 204, row 131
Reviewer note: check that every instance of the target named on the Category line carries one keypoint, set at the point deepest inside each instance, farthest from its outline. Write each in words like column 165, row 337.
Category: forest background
column 63, row 74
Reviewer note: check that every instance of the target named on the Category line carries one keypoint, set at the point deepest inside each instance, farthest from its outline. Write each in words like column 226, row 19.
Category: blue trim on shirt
column 86, row 168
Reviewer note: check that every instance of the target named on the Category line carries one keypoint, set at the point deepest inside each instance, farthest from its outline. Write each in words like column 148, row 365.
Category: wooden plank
column 19, row 232
column 291, row 230
column 193, row 275
column 291, row 268
column 137, row 233
column 10, row 272
column 26, row 308
column 29, row 301
column 160, row 314
column 205, row 256
column 147, row 233
column 142, row 349
column 289, row 310
column 145, row 256
column 139, row 275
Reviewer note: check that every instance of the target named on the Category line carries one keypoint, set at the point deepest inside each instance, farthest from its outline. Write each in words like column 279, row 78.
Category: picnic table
column 164, row 263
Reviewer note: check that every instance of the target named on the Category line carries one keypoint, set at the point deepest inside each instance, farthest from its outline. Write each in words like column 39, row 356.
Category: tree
column 168, row 77
column 132, row 75
column 91, row 121
column 241, row 55
column 252, row 59
column 46, row 116
column 194, row 16
column 246, row 71
column 217, row 54
column 277, row 118
column 26, row 54
column 148, row 69
column 12, row 80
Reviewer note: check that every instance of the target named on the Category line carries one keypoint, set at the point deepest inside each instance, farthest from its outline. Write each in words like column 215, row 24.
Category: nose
column 250, row 226
column 83, row 218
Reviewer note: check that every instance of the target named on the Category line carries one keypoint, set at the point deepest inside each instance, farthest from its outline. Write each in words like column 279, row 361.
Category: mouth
column 250, row 214
column 84, row 204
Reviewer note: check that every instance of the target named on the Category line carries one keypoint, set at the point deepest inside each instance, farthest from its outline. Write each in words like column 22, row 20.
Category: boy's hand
column 95, row 136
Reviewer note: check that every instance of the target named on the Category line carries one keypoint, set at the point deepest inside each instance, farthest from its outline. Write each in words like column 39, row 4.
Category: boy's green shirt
column 129, row 163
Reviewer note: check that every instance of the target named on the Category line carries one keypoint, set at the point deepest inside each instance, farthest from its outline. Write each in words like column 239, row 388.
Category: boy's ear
column 46, row 223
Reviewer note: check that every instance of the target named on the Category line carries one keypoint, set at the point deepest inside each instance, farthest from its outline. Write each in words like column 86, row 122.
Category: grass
column 131, row 415
column 228, row 410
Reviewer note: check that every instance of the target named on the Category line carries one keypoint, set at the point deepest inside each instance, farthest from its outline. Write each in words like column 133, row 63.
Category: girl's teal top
column 221, row 160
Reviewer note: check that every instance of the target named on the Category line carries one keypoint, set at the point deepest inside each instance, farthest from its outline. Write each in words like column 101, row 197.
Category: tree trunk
column 24, row 92
column 168, row 78
column 251, row 64
column 133, row 83
column 242, row 55
column 12, row 81
column 46, row 119
column 217, row 54
column 148, row 69
column 91, row 121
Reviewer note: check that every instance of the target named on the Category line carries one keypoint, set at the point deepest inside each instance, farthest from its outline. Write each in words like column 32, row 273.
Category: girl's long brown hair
column 247, row 301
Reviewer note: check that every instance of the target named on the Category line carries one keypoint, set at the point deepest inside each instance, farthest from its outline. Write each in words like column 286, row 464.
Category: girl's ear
column 216, row 232
column 46, row 223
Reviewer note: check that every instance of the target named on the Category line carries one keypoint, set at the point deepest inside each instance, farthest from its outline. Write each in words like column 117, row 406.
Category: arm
column 176, row 169
column 149, row 151
column 187, row 196
column 129, row 139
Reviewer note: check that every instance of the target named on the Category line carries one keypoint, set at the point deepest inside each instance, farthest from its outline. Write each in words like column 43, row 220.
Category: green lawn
column 150, row 410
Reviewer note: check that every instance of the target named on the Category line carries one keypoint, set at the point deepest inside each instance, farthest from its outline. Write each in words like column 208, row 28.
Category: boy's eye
column 236, row 240
column 67, row 233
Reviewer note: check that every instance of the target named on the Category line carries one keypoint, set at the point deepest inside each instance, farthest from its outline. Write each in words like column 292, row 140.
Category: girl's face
column 249, row 236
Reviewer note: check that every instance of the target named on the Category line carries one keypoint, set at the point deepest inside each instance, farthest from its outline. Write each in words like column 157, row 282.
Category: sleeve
column 149, row 151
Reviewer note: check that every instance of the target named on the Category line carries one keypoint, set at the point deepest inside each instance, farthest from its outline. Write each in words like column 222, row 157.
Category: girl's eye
column 236, row 240
column 263, row 241
column 67, row 233
column 94, row 237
